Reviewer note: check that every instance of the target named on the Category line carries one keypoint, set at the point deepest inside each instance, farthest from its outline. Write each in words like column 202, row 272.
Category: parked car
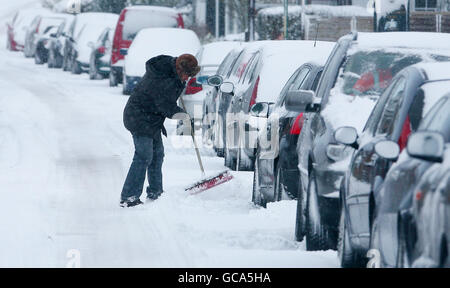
column 100, row 60
column 131, row 20
column 216, row 104
column 81, row 44
column 269, row 66
column 57, row 43
column 40, row 25
column 42, row 44
column 394, row 229
column 357, row 72
column 209, row 58
column 17, row 28
column 276, row 173
column 397, row 114
column 151, row 42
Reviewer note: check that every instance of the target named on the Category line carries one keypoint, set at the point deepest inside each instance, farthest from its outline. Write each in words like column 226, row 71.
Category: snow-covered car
column 42, row 45
column 18, row 26
column 260, row 79
column 57, row 42
column 100, row 60
column 89, row 28
column 411, row 221
column 132, row 19
column 357, row 72
column 397, row 114
column 215, row 106
column 151, row 42
column 40, row 25
column 209, row 58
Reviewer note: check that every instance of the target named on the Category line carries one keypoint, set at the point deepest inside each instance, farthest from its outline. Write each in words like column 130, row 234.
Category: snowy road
column 64, row 155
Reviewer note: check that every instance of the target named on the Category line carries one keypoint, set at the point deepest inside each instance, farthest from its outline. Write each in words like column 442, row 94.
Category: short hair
column 187, row 64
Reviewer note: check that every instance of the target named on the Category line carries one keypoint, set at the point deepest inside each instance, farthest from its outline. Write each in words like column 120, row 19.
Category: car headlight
column 337, row 152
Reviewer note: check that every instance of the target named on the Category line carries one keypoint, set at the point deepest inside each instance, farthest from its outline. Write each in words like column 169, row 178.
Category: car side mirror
column 202, row 80
column 215, row 80
column 260, row 110
column 387, row 149
column 347, row 136
column 300, row 100
column 123, row 51
column 426, row 145
column 227, row 87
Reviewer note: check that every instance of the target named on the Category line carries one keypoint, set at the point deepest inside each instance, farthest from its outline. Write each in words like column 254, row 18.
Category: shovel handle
column 197, row 151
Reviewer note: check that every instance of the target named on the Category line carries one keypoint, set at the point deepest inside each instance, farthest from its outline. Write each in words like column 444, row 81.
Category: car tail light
column 180, row 21
column 192, row 87
column 101, row 50
column 254, row 94
column 419, row 195
column 297, row 126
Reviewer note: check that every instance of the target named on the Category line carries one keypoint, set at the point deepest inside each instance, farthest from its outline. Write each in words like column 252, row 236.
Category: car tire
column 76, row 67
column 243, row 165
column 51, row 59
column 38, row 59
column 113, row 79
column 300, row 219
column 347, row 257
column 318, row 235
column 257, row 197
column 229, row 161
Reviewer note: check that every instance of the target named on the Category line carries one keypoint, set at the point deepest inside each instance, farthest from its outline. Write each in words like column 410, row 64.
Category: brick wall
column 426, row 21
column 331, row 29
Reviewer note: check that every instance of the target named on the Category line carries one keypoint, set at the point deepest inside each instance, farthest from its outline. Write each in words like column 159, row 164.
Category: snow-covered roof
column 410, row 40
column 320, row 10
column 281, row 59
column 214, row 53
column 152, row 8
column 151, row 42
column 435, row 71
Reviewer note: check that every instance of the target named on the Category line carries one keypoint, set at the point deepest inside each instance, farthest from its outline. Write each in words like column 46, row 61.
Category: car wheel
column 243, row 164
column 229, row 161
column 112, row 79
column 125, row 89
column 51, row 59
column 37, row 59
column 347, row 257
column 300, row 219
column 257, row 198
column 76, row 67
column 317, row 233
column 65, row 64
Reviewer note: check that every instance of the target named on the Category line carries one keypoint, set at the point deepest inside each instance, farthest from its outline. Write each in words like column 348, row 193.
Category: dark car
column 215, row 104
column 270, row 66
column 276, row 172
column 404, row 208
column 57, row 43
column 358, row 71
column 42, row 45
column 100, row 60
column 397, row 114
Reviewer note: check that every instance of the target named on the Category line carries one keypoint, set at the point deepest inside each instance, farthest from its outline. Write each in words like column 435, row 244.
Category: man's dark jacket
column 154, row 99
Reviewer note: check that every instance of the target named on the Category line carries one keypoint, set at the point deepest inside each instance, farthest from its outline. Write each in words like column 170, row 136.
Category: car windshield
column 136, row 20
column 438, row 118
column 368, row 73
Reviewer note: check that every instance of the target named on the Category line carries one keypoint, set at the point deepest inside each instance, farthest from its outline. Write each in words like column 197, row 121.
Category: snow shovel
column 207, row 182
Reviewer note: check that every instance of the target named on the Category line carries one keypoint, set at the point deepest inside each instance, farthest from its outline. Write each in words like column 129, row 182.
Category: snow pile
column 152, row 42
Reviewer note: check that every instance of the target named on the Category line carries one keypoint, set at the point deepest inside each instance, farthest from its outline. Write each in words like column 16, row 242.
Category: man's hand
column 185, row 119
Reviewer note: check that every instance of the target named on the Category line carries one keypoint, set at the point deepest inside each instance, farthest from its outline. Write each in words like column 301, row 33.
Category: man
column 153, row 100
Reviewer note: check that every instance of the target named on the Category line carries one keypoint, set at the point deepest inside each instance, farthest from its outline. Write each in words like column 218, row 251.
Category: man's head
column 187, row 66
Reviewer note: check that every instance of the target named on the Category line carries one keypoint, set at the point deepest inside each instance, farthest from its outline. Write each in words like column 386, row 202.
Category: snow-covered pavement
column 64, row 155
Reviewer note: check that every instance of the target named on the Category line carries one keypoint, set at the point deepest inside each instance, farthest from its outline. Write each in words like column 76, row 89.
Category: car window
column 438, row 119
column 241, row 64
column 251, row 70
column 300, row 79
column 136, row 20
column 226, row 63
column 294, row 83
column 392, row 108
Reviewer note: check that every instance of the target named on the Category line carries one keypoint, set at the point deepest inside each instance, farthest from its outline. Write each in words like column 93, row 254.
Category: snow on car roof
column 152, row 8
column 214, row 53
column 151, row 42
column 281, row 59
column 435, row 71
column 321, row 10
column 410, row 40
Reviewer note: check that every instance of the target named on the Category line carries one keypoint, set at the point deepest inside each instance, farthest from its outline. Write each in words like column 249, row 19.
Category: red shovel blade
column 209, row 183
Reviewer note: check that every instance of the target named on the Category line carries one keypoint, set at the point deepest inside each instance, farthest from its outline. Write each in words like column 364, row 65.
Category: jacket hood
column 163, row 66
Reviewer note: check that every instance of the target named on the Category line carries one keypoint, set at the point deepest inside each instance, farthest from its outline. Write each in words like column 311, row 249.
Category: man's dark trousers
column 148, row 157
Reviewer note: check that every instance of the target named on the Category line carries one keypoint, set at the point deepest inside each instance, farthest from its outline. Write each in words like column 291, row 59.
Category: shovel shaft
column 197, row 151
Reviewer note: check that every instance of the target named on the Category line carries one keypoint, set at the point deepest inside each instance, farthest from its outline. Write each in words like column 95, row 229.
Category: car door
column 367, row 164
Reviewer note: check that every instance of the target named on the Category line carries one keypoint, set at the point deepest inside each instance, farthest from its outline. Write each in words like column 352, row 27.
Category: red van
column 131, row 20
